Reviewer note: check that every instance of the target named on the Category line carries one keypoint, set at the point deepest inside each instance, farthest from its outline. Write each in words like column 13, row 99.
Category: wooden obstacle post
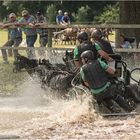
column 49, row 37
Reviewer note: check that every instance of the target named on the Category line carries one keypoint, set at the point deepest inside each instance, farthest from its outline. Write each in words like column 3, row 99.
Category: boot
column 122, row 103
column 115, row 109
column 111, row 106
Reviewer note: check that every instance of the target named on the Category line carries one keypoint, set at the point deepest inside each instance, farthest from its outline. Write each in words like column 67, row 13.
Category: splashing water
column 38, row 114
column 36, row 109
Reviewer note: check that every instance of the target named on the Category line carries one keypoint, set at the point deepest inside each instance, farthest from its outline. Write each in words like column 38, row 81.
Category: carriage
column 65, row 79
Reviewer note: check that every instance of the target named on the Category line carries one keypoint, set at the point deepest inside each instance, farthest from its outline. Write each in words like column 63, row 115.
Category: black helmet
column 82, row 36
column 88, row 54
column 96, row 34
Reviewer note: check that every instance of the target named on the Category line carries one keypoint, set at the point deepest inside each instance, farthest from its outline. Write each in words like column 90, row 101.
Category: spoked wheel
column 71, row 94
column 76, row 93
column 132, row 76
column 132, row 104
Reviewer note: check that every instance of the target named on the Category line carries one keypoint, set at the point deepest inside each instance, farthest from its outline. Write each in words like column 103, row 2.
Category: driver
column 94, row 74
column 85, row 44
column 98, row 41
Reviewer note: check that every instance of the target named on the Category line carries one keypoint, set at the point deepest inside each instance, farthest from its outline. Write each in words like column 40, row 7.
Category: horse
column 69, row 61
column 55, row 76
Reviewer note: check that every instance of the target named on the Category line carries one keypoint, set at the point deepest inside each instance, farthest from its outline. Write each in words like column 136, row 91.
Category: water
column 34, row 113
column 35, row 110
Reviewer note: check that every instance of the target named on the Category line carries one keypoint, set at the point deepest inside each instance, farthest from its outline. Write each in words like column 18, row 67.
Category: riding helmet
column 87, row 54
column 96, row 34
column 82, row 36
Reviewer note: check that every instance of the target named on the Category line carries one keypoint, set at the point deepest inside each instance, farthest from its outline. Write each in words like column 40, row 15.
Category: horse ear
column 44, row 61
column 39, row 62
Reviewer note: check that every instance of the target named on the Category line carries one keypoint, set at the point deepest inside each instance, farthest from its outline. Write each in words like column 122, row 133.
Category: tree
column 129, row 14
column 51, row 13
column 82, row 14
column 2, row 11
column 93, row 7
column 110, row 14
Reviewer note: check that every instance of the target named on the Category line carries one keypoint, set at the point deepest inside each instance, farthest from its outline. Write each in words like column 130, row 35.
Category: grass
column 9, row 81
column 4, row 37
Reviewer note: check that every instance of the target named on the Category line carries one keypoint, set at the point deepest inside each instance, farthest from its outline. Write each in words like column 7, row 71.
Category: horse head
column 68, row 60
column 23, row 62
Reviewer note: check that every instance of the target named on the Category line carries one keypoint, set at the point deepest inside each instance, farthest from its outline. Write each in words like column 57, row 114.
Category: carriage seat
column 116, row 64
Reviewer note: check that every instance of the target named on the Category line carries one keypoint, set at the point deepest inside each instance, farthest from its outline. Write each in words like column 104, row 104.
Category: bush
column 51, row 13
column 110, row 14
column 82, row 14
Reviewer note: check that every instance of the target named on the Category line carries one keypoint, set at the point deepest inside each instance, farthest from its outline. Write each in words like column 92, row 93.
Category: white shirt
column 126, row 45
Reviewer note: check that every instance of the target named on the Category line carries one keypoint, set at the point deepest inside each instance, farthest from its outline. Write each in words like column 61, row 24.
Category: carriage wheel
column 71, row 94
column 131, row 103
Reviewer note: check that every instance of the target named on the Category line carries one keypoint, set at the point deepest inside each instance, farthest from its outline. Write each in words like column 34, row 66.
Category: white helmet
column 65, row 13
column 59, row 11
column 12, row 15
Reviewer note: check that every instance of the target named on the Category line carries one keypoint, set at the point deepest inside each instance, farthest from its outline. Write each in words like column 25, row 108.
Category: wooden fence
column 52, row 27
column 117, row 50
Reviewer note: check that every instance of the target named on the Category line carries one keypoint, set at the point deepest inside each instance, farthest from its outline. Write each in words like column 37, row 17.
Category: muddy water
column 36, row 111
column 37, row 114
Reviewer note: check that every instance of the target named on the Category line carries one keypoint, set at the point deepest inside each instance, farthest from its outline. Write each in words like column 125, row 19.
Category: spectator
column 14, row 37
column 43, row 34
column 65, row 19
column 124, row 43
column 31, row 34
column 59, row 17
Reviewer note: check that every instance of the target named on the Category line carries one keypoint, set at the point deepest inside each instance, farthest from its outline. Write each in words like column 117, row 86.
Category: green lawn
column 4, row 37
column 9, row 81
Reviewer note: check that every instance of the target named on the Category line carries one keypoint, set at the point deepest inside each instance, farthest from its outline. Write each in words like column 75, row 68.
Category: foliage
column 82, row 14
column 110, row 15
column 51, row 13
column 79, row 11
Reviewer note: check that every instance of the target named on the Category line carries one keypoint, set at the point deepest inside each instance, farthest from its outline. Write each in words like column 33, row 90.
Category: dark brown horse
column 56, row 76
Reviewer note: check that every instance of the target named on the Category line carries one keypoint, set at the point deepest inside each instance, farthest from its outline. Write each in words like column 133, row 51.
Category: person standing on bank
column 14, row 39
column 30, row 32
column 65, row 19
column 59, row 17
column 43, row 34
